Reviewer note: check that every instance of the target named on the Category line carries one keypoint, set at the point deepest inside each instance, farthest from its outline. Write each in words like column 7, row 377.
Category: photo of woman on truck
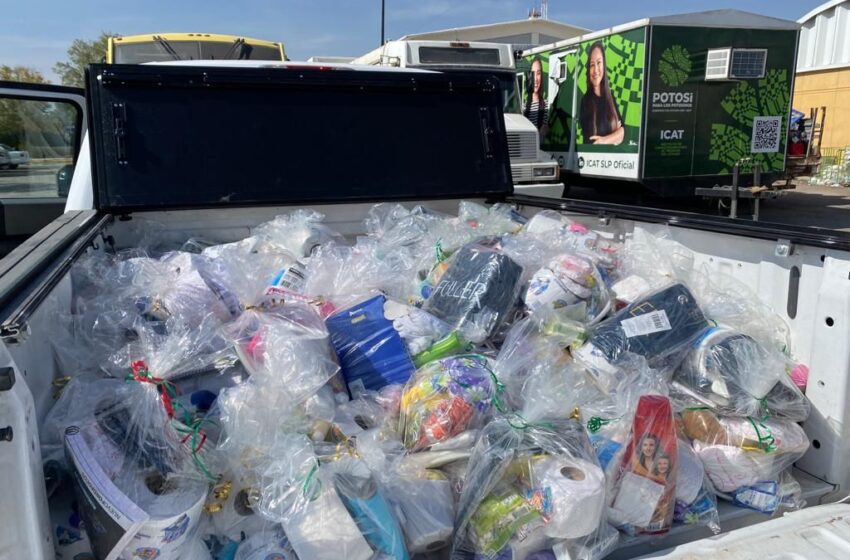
column 601, row 122
column 535, row 103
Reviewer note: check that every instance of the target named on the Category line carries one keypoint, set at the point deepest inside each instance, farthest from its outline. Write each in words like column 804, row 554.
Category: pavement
column 806, row 205
column 33, row 180
column 810, row 205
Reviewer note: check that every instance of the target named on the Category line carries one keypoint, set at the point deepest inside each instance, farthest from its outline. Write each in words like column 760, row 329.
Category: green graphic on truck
column 669, row 102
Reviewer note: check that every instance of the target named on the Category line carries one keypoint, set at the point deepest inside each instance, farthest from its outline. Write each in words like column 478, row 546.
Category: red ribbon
column 143, row 375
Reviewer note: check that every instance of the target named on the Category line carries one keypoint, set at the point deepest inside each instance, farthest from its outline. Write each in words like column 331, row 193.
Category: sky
column 37, row 33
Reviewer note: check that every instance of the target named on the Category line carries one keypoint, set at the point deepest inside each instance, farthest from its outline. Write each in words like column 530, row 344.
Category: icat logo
column 672, row 134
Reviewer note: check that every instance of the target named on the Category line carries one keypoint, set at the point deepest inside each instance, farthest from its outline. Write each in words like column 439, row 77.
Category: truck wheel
column 13, row 166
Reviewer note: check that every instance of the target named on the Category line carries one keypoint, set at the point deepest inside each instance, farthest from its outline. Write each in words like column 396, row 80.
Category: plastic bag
column 660, row 327
column 244, row 269
column 528, row 487
column 298, row 233
column 770, row 496
column 696, row 503
column 286, row 348
column 733, row 374
column 643, row 497
column 329, row 511
column 372, row 353
column 344, row 274
column 446, row 397
column 479, row 288
column 572, row 286
column 130, row 450
column 739, row 452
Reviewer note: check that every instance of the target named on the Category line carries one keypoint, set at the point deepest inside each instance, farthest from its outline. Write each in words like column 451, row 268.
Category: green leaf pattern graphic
column 674, row 66
column 731, row 142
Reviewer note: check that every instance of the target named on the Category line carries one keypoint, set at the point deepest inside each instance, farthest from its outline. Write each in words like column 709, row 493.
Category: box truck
column 671, row 103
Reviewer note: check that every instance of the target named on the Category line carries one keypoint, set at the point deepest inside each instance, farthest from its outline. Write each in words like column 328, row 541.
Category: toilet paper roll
column 578, row 495
column 322, row 529
column 428, row 513
column 175, row 515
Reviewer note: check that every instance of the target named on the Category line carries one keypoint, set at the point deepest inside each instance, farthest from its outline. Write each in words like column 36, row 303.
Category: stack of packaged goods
column 479, row 386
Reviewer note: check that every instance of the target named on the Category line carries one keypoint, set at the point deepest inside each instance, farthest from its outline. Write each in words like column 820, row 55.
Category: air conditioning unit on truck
column 149, row 174
column 533, row 172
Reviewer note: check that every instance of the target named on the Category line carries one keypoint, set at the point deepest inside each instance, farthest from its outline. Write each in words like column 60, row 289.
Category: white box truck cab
column 533, row 171
column 154, row 157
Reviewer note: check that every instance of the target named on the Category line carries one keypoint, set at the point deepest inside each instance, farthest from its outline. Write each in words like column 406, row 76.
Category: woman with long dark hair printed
column 535, row 106
column 600, row 119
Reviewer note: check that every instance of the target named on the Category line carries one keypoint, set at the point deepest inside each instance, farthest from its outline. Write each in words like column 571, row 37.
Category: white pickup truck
column 154, row 155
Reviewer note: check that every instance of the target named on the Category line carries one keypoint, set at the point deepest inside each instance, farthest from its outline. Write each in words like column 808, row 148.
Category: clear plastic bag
column 285, row 348
column 297, row 233
column 372, row 353
column 696, row 503
column 732, row 374
column 477, row 291
column 738, row 452
column 343, row 274
column 447, row 397
column 661, row 327
column 643, row 495
column 572, row 286
column 528, row 487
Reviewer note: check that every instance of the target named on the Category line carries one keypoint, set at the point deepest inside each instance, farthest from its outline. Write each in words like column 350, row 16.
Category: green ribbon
column 595, row 423
column 766, row 442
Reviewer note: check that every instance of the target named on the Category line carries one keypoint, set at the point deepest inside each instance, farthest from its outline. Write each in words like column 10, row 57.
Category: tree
column 81, row 53
column 21, row 74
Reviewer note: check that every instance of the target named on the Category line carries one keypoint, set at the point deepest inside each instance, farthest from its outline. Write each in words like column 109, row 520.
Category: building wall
column 825, row 37
column 830, row 89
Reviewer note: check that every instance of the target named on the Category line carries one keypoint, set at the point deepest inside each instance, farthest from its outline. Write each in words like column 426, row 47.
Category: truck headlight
column 544, row 172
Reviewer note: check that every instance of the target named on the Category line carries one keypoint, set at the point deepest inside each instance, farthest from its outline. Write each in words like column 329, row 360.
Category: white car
column 11, row 158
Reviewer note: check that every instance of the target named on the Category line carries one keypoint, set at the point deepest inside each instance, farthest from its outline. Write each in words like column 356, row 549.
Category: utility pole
column 383, row 16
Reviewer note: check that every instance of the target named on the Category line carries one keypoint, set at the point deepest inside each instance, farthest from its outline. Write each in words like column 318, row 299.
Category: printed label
column 648, row 323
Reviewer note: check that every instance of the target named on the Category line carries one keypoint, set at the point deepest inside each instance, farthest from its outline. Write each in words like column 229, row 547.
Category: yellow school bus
column 155, row 47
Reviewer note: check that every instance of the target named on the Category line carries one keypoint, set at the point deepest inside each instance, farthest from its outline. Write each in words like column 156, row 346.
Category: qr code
column 766, row 134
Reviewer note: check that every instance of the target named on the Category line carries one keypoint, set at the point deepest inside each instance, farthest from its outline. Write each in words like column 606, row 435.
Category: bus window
column 139, row 49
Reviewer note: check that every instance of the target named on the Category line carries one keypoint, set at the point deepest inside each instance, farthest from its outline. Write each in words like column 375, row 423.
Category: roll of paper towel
column 578, row 495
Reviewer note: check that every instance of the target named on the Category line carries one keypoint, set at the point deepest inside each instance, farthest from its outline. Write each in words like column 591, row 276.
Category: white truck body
column 803, row 275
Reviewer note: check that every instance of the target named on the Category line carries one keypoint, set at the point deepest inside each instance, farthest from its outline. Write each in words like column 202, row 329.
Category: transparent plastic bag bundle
column 345, row 274
column 298, row 233
column 572, row 286
column 243, row 270
column 530, row 487
column 529, row 350
column 559, row 231
column 734, row 375
column 495, row 220
column 149, row 470
column 177, row 285
column 660, row 326
column 329, row 510
column 608, row 416
column 371, row 351
column 477, row 291
column 286, row 348
column 446, row 397
column 652, row 255
column 738, row 452
column 782, row 493
column 644, row 485
column 696, row 503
